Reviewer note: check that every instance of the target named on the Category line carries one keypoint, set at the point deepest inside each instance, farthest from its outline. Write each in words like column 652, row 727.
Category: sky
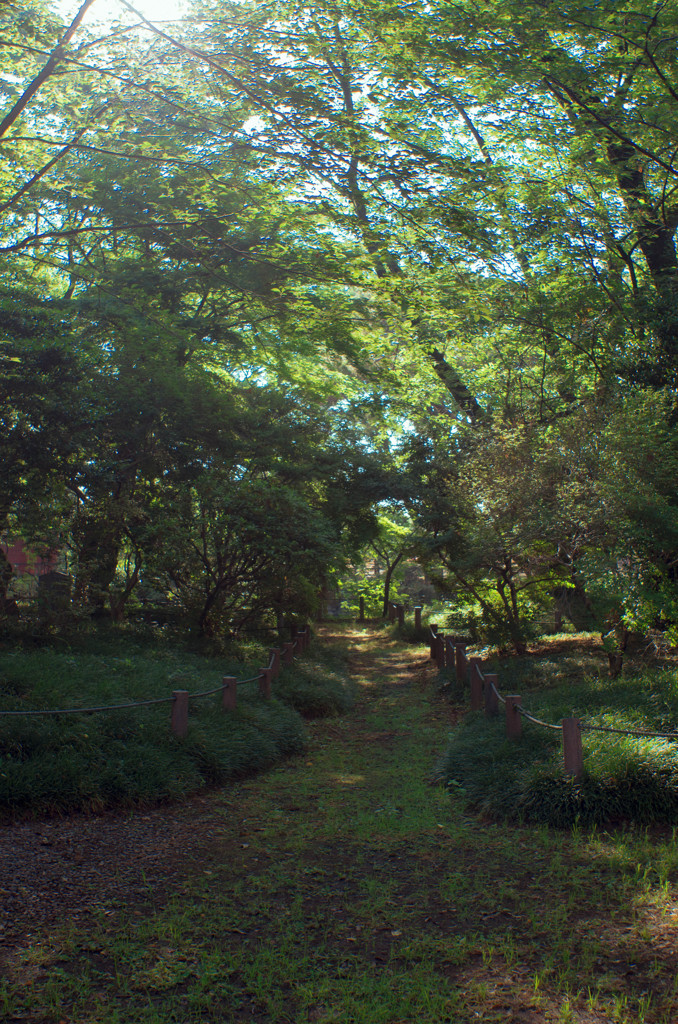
column 154, row 10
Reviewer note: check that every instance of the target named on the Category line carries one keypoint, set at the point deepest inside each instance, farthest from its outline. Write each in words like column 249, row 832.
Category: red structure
column 26, row 562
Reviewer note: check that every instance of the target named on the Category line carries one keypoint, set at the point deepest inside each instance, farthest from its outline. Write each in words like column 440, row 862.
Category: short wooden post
column 573, row 755
column 449, row 652
column 460, row 665
column 361, row 616
column 288, row 653
column 514, row 719
column 401, row 615
column 477, row 681
column 179, row 720
column 491, row 699
column 434, row 633
column 265, row 683
column 440, row 651
column 417, row 617
column 274, row 656
column 391, row 612
column 229, row 693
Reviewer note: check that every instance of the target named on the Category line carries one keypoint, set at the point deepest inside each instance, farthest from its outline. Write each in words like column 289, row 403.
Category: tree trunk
column 6, row 574
column 97, row 561
column 387, row 583
column 119, row 602
column 615, row 659
column 205, row 624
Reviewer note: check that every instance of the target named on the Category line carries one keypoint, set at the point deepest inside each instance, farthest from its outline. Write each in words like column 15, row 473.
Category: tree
column 447, row 233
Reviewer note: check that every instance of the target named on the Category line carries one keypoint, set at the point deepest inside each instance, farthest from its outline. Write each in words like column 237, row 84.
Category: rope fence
column 484, row 692
column 447, row 652
column 180, row 699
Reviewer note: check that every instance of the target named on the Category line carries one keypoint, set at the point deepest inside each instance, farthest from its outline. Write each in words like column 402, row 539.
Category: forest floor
column 339, row 887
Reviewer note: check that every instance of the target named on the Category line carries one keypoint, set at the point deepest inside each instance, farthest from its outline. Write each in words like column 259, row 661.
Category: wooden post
column 274, row 656
column 417, row 617
column 265, row 683
column 477, row 684
column 461, row 665
column 459, row 662
column 401, row 615
column 361, row 616
column 491, row 699
column 391, row 612
column 179, row 720
column 573, row 755
column 229, row 693
column 449, row 652
column 434, row 633
column 288, row 652
column 440, row 651
column 514, row 719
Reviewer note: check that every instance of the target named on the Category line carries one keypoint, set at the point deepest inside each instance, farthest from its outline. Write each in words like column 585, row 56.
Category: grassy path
column 343, row 887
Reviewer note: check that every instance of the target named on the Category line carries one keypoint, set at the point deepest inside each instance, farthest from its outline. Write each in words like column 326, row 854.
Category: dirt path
column 71, row 867
column 338, row 888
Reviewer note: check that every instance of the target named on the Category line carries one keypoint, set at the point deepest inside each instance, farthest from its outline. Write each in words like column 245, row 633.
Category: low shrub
column 625, row 779
column 129, row 757
column 409, row 634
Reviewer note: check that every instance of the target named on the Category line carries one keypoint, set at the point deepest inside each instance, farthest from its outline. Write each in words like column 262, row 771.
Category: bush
column 625, row 779
column 130, row 757
column 409, row 634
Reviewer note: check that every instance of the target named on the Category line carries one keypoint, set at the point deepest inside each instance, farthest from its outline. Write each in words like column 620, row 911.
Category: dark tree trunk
column 97, row 560
column 615, row 658
column 6, row 574
column 387, row 583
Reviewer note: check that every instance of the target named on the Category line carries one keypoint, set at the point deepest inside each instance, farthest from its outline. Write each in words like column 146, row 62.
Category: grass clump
column 316, row 689
column 129, row 757
column 409, row 634
column 625, row 778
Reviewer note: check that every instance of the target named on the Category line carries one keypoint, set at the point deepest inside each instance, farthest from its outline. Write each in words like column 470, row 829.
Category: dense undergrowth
column 625, row 778
column 59, row 764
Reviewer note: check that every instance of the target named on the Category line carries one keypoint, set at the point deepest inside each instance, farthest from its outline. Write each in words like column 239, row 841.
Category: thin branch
column 48, row 70
column 49, row 165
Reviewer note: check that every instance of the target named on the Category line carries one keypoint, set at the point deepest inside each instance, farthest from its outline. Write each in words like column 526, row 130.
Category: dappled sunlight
column 348, row 852
column 344, row 779
column 376, row 659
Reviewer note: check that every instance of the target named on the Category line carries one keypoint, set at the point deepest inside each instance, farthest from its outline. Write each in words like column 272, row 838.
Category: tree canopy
column 282, row 264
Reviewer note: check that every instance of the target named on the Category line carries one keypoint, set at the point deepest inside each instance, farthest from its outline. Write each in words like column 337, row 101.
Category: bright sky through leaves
column 107, row 10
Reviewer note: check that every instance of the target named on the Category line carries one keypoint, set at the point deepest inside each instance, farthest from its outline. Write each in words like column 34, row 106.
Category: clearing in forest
column 339, row 887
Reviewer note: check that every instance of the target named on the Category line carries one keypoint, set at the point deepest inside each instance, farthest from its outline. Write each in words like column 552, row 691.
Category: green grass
column 129, row 757
column 347, row 890
column 315, row 688
column 625, row 778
